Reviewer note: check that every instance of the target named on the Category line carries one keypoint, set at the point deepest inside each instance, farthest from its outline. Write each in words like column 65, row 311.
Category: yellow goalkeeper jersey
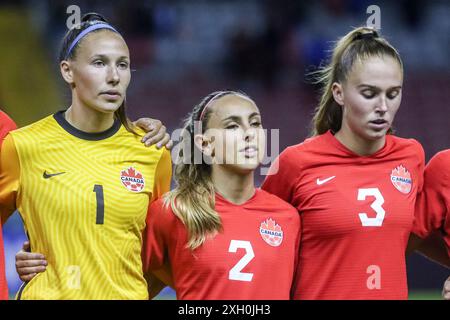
column 83, row 198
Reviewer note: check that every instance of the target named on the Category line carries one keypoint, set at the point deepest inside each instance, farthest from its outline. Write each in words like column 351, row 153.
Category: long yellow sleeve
column 163, row 176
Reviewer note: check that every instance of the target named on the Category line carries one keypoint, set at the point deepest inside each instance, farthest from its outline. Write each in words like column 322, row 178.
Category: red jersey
column 253, row 257
column 357, row 213
column 6, row 125
column 433, row 204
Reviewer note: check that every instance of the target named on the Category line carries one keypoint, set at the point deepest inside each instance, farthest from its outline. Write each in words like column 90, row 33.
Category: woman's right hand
column 29, row 264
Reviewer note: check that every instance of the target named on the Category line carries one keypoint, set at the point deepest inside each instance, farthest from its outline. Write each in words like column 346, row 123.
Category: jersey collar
column 92, row 136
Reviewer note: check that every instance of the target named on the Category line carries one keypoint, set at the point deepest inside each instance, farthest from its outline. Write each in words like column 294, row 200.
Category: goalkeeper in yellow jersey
column 81, row 178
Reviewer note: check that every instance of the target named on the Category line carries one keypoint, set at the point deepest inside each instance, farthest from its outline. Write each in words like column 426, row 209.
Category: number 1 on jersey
column 98, row 189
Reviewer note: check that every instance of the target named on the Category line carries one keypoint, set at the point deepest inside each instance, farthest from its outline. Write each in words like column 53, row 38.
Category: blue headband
column 85, row 32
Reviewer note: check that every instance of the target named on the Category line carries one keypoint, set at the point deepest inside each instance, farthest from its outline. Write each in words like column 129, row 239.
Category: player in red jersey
column 223, row 238
column 433, row 205
column 6, row 125
column 353, row 183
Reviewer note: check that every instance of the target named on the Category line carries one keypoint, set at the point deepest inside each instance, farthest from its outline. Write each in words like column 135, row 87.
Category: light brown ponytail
column 357, row 45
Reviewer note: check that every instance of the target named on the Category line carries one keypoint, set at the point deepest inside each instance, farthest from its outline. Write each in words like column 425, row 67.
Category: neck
column 89, row 120
column 235, row 187
column 357, row 144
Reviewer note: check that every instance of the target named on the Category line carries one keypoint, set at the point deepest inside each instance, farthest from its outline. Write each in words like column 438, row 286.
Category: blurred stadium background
column 183, row 49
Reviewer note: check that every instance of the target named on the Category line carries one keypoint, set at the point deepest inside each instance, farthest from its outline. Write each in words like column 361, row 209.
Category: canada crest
column 132, row 179
column 401, row 179
column 271, row 232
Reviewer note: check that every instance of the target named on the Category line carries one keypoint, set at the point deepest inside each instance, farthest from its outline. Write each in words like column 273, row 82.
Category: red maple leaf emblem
column 271, row 225
column 132, row 179
column 271, row 232
column 131, row 172
column 401, row 179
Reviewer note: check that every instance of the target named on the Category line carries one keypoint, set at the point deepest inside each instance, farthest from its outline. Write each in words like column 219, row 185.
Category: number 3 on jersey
column 377, row 206
column 235, row 273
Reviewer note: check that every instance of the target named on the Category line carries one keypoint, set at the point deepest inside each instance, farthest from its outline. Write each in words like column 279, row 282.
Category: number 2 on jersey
column 235, row 273
column 377, row 206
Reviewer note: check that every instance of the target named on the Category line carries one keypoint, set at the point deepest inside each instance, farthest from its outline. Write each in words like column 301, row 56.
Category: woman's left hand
column 156, row 133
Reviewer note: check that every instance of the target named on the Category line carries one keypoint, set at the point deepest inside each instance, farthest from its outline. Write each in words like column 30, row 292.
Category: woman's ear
column 66, row 71
column 338, row 93
column 204, row 143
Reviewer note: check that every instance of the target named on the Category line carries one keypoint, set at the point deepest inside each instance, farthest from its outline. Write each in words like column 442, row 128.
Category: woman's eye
column 368, row 94
column 256, row 124
column 98, row 63
column 123, row 65
column 232, row 126
column 393, row 94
